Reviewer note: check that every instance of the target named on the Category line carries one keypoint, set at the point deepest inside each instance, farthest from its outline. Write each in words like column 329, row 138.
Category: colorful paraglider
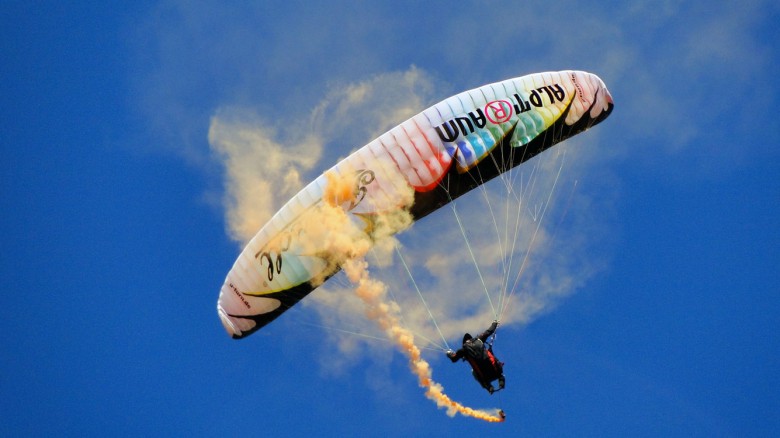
column 416, row 167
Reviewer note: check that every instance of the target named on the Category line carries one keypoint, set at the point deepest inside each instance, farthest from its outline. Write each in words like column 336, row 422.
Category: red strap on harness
column 492, row 358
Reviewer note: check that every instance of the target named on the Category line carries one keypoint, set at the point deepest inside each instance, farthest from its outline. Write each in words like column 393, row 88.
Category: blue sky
column 116, row 232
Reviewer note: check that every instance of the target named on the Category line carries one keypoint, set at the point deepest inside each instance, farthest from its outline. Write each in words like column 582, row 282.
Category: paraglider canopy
column 416, row 167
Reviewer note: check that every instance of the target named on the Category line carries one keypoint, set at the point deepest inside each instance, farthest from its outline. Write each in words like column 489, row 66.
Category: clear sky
column 118, row 222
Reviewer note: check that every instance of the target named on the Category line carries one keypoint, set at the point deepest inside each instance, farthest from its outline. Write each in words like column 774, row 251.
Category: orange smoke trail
column 347, row 247
column 372, row 293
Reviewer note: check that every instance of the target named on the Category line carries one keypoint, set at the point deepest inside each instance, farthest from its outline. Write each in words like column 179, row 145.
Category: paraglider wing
column 440, row 153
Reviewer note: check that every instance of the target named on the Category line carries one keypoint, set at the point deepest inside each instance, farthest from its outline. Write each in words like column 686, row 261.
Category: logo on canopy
column 498, row 111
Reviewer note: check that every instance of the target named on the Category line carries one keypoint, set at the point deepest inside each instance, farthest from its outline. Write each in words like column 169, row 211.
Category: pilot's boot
column 501, row 382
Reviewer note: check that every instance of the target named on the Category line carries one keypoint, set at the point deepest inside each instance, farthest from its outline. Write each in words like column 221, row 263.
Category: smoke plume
column 261, row 172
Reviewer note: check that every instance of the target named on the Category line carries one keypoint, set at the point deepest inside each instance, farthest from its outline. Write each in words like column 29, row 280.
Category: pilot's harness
column 493, row 361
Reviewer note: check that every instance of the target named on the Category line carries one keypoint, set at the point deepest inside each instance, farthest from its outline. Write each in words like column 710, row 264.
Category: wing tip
column 231, row 329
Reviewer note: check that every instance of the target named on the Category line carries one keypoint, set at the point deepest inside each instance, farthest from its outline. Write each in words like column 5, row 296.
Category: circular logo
column 498, row 111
